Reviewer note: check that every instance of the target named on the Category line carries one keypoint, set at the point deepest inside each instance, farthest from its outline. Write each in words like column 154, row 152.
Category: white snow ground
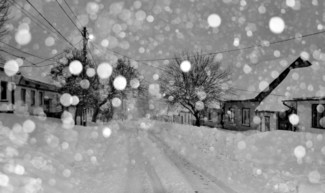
column 146, row 156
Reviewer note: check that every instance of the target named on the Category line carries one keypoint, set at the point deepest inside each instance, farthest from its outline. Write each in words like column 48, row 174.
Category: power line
column 37, row 66
column 72, row 12
column 69, row 17
column 19, row 50
column 243, row 48
column 33, row 18
column 56, row 55
column 1, row 50
column 50, row 58
column 125, row 56
column 49, row 23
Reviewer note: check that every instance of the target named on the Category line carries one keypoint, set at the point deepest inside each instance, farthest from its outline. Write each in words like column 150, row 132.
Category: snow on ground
column 40, row 154
column 278, row 161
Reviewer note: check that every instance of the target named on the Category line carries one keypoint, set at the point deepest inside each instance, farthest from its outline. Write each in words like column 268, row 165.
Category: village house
column 263, row 112
column 23, row 94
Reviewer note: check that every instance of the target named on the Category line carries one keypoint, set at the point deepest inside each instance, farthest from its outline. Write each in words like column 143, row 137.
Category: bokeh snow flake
column 11, row 67
column 300, row 152
column 67, row 120
column 120, row 82
column 314, row 177
column 66, row 99
column 75, row 67
column 116, row 102
column 257, row 120
column 104, row 70
column 199, row 105
column 107, row 132
column 4, row 180
column 90, row 72
column 75, row 100
column 23, row 36
column 214, row 20
column 247, row 69
column 85, row 84
column 29, row 126
column 241, row 145
column 276, row 25
column 186, row 66
column 134, row 83
column 294, row 119
column 49, row 41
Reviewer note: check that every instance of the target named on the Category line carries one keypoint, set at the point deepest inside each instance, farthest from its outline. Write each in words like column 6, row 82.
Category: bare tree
column 203, row 83
column 4, row 9
column 97, row 94
column 123, row 68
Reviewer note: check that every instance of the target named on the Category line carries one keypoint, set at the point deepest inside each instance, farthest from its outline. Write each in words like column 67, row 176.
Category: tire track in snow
column 193, row 173
column 150, row 170
column 139, row 166
column 135, row 167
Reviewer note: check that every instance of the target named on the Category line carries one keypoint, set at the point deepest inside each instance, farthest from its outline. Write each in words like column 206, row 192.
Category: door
column 13, row 96
column 47, row 104
column 283, row 120
column 267, row 123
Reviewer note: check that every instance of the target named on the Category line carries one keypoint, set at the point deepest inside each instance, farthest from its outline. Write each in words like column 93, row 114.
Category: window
column 4, row 90
column 231, row 115
column 317, row 116
column 245, row 117
column 41, row 97
column 32, row 97
column 23, row 95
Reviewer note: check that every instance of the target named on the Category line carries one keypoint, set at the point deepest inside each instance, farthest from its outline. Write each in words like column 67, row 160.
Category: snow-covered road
column 143, row 146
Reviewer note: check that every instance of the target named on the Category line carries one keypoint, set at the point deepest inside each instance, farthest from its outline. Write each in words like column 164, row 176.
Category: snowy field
column 52, row 156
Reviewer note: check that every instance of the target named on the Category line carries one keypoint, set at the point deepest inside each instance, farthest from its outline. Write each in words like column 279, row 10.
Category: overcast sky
column 155, row 29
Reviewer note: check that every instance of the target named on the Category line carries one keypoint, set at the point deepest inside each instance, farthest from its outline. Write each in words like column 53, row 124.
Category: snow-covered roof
column 272, row 103
column 300, row 84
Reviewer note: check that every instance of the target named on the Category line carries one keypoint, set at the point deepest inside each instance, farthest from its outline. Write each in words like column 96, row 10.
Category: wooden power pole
column 85, row 42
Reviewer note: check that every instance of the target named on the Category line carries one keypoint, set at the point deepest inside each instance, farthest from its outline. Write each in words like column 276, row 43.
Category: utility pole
column 85, row 42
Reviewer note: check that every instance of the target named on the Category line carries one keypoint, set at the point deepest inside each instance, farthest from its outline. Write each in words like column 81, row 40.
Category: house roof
column 307, row 99
column 249, row 85
column 272, row 104
column 41, row 85
column 301, row 84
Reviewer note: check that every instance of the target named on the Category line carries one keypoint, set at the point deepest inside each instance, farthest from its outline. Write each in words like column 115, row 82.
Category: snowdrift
column 277, row 161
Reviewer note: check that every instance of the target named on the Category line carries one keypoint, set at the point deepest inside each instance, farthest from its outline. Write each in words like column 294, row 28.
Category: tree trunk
column 197, row 121
column 96, row 112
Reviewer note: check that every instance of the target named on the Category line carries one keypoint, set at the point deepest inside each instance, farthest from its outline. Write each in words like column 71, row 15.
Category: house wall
column 186, row 118
column 238, row 106
column 5, row 105
column 16, row 106
column 54, row 107
column 304, row 111
column 213, row 118
column 273, row 120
